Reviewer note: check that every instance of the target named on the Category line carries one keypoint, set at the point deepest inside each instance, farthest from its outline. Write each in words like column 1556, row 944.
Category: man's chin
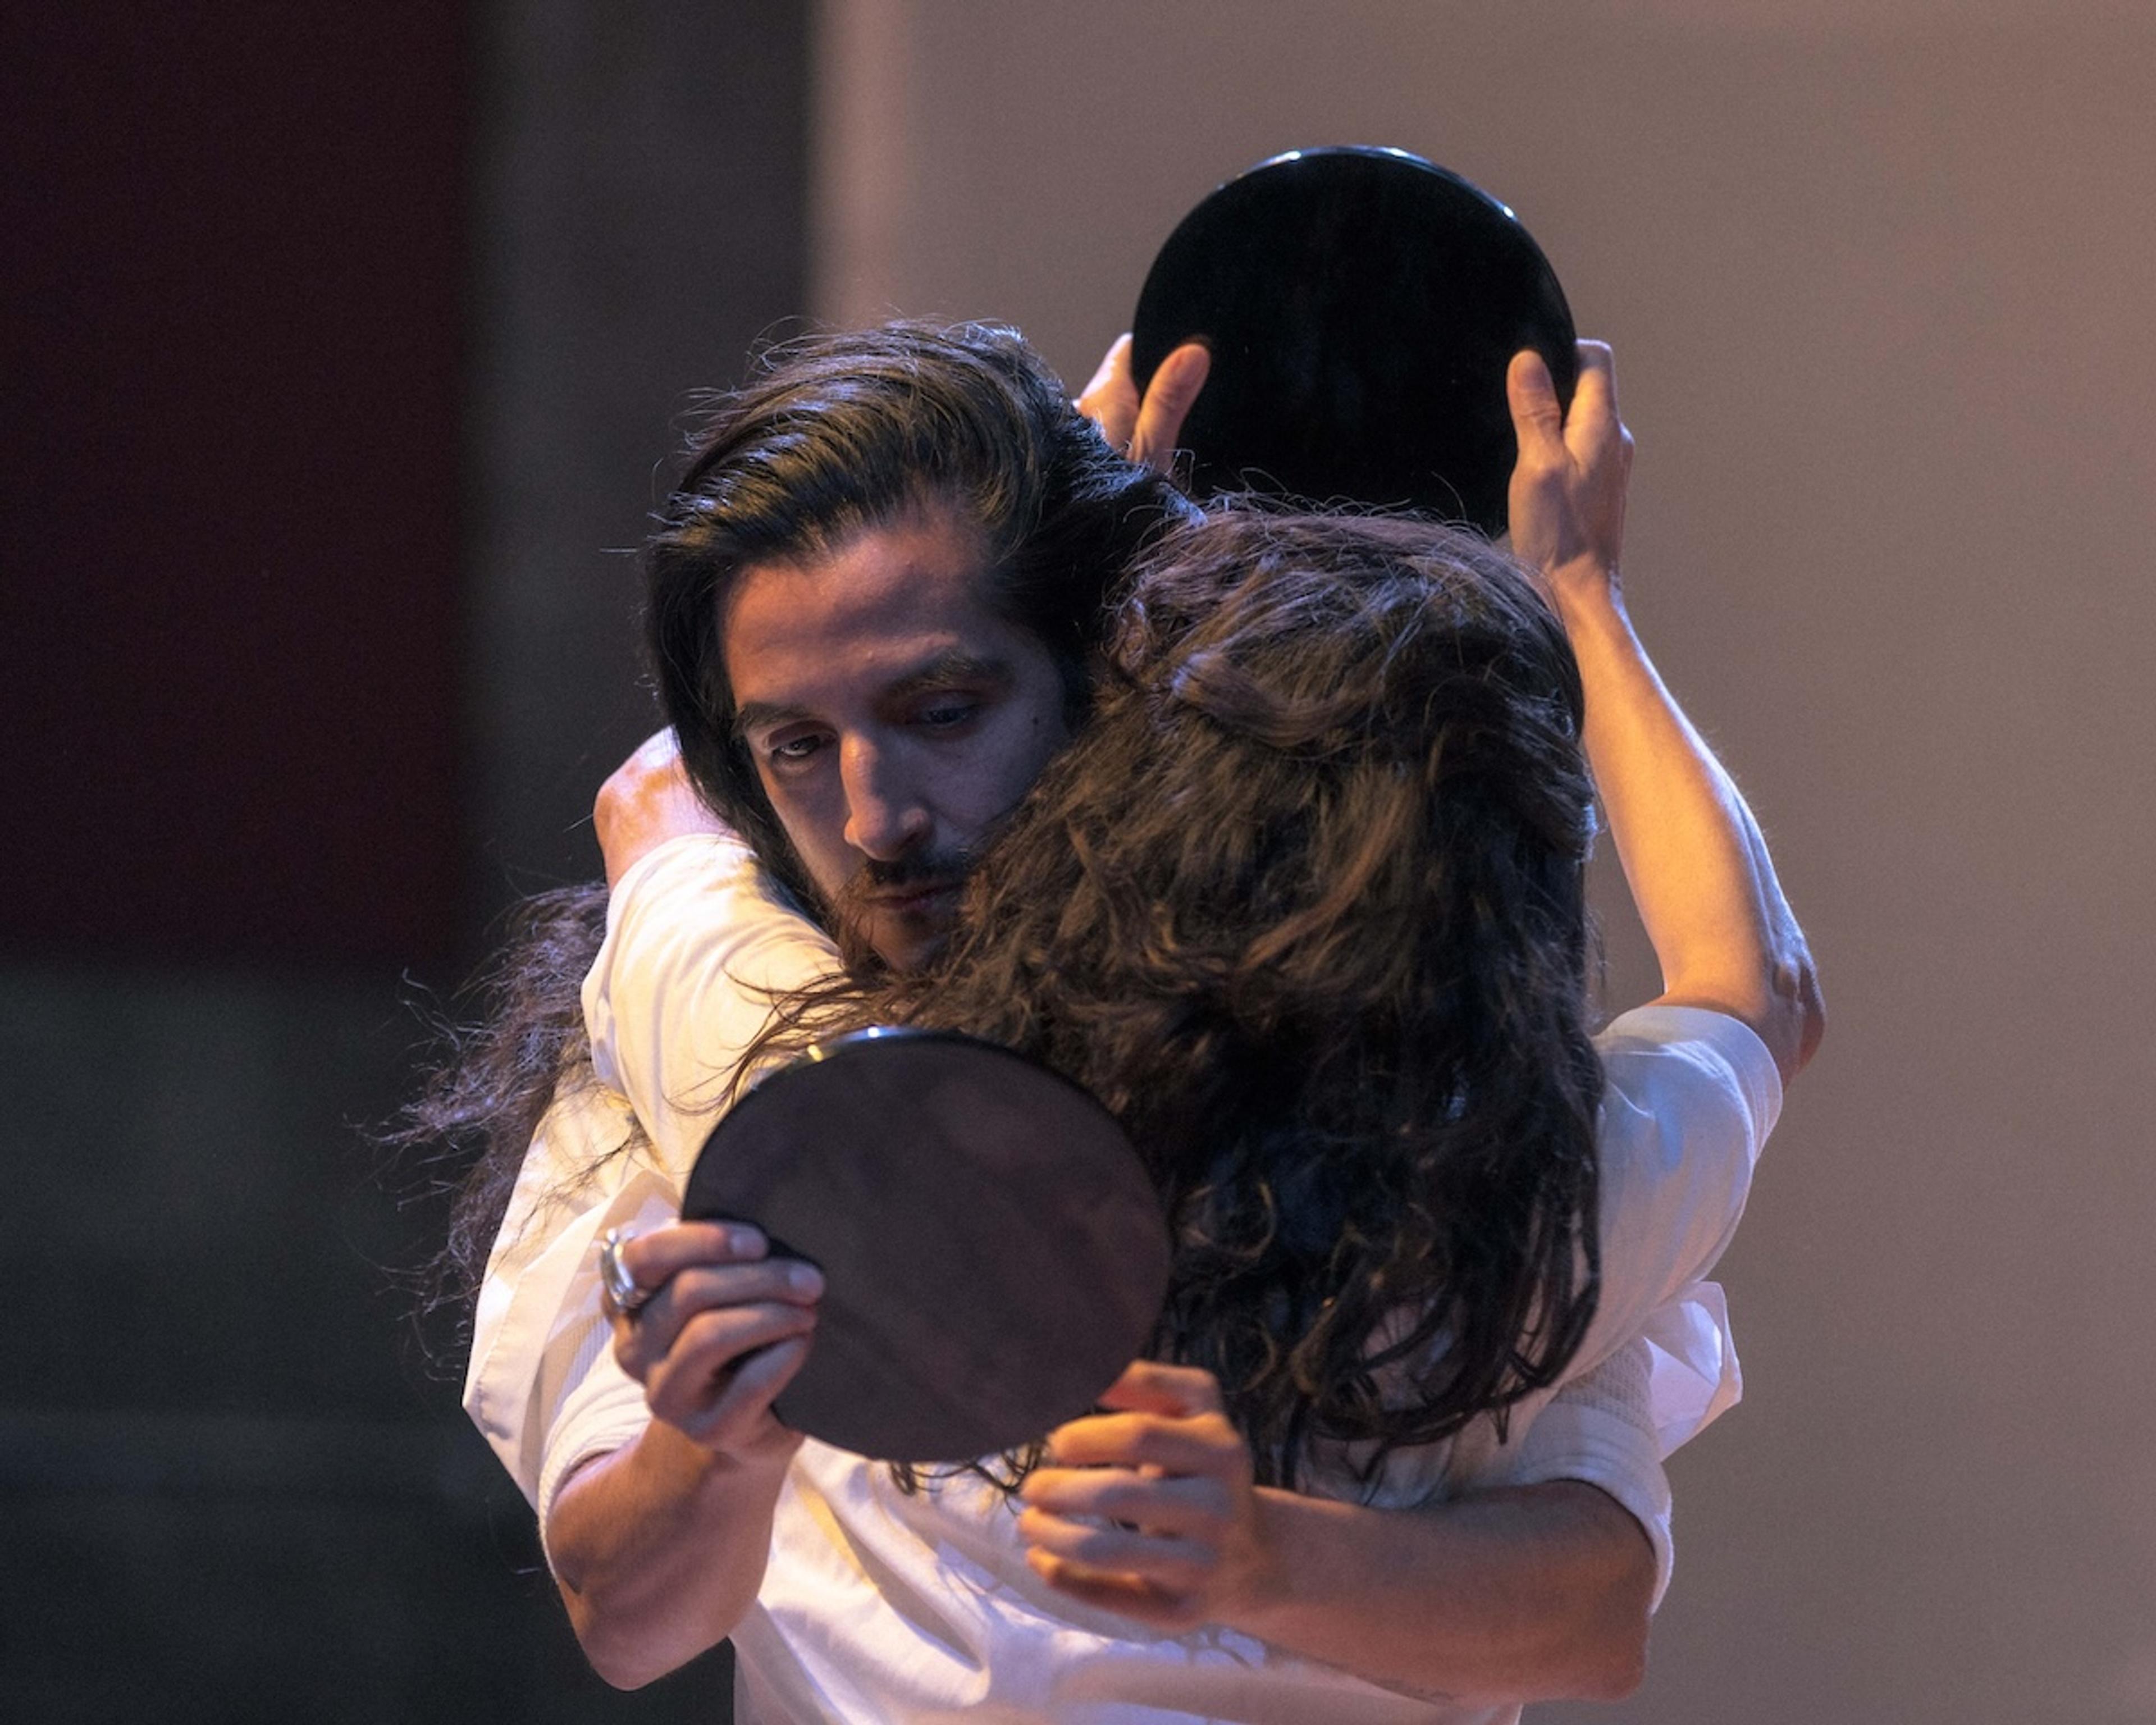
column 906, row 933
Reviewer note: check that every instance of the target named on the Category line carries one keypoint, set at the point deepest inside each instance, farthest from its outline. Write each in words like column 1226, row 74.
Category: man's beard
column 856, row 903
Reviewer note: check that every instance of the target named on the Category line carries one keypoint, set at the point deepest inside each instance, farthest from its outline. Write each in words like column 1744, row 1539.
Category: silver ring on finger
column 622, row 1289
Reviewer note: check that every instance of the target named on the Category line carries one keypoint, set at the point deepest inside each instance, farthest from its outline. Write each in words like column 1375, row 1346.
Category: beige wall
column 1880, row 294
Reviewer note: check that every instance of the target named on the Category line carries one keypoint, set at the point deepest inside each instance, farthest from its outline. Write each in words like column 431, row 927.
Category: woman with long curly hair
column 1303, row 904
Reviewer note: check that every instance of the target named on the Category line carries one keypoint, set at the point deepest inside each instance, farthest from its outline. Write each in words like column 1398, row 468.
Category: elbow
column 1616, row 1667
column 1600, row 1657
column 623, row 1658
column 1814, row 1031
column 1777, row 994
column 1609, row 1653
column 611, row 1638
column 629, row 1635
column 1772, row 987
column 653, row 1562
column 620, row 1661
column 659, row 1549
column 1602, row 1653
column 1802, row 1008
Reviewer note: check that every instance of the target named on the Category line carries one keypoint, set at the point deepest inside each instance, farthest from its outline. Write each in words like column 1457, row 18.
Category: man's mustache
column 857, row 902
column 941, row 867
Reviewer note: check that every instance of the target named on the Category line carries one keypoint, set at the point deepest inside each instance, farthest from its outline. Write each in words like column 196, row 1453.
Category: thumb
column 1537, row 419
column 1167, row 400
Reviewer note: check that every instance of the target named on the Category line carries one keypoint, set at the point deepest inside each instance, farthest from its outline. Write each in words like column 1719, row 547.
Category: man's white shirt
column 886, row 1606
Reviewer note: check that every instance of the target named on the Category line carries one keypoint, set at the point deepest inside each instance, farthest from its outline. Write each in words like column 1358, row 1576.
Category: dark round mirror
column 1362, row 306
column 993, row 1251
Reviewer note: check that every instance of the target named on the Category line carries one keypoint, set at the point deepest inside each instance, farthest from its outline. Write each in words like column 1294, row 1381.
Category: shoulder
column 1677, row 1072
column 1691, row 1098
column 701, row 908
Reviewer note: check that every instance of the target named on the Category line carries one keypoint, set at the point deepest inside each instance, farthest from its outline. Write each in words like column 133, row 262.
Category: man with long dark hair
column 773, row 733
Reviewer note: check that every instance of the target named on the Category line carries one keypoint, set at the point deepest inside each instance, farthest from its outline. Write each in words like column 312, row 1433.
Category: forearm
column 659, row 1549
column 1698, row 869
column 1532, row 1592
column 1695, row 860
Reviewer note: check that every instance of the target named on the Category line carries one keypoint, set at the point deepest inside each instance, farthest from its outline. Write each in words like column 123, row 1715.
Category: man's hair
column 856, row 430
column 835, row 432
column 1304, row 907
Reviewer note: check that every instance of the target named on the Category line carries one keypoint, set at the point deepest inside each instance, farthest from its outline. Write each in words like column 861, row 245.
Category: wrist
column 1588, row 595
column 1262, row 1599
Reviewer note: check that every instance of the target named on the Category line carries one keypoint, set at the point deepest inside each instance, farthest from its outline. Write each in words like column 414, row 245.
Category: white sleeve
column 1599, row 1428
column 699, row 942
column 601, row 1410
column 1691, row 1098
column 538, row 1332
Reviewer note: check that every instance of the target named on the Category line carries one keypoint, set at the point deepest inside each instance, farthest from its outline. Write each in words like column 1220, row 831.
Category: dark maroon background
column 230, row 546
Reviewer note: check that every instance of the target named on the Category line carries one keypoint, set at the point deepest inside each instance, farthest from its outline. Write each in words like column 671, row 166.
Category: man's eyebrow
column 943, row 671
column 946, row 669
column 759, row 714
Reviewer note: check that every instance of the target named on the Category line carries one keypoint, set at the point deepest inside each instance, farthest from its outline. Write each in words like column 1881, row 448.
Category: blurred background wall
column 289, row 714
column 1878, row 278
column 343, row 352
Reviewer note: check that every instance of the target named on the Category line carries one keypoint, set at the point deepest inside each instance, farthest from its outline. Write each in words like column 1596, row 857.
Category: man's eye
column 793, row 750
column 946, row 714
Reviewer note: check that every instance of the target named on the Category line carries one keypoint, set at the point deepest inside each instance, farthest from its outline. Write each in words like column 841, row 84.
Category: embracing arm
column 1698, row 866
column 1525, row 1592
column 659, row 1546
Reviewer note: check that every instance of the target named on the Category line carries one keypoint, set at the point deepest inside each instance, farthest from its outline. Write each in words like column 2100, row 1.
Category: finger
column 1148, row 1387
column 744, row 1400
column 648, row 1352
column 1598, row 375
column 1175, row 1564
column 658, row 1324
column 1111, row 399
column 715, row 1350
column 1168, row 398
column 724, row 1408
column 652, row 1258
column 1126, row 1595
column 1195, row 1506
column 1593, row 419
column 1537, row 416
column 1206, row 1444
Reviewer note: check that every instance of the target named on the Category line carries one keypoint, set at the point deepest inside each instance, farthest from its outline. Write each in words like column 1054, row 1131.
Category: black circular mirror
column 1362, row 306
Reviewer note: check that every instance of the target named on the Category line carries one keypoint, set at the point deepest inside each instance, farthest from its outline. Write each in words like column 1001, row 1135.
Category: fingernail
column 804, row 1278
column 749, row 1242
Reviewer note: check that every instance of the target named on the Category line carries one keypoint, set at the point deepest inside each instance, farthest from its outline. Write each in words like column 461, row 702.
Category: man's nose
column 885, row 815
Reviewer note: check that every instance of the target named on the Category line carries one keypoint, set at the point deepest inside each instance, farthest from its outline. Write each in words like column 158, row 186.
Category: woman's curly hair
column 1304, row 905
